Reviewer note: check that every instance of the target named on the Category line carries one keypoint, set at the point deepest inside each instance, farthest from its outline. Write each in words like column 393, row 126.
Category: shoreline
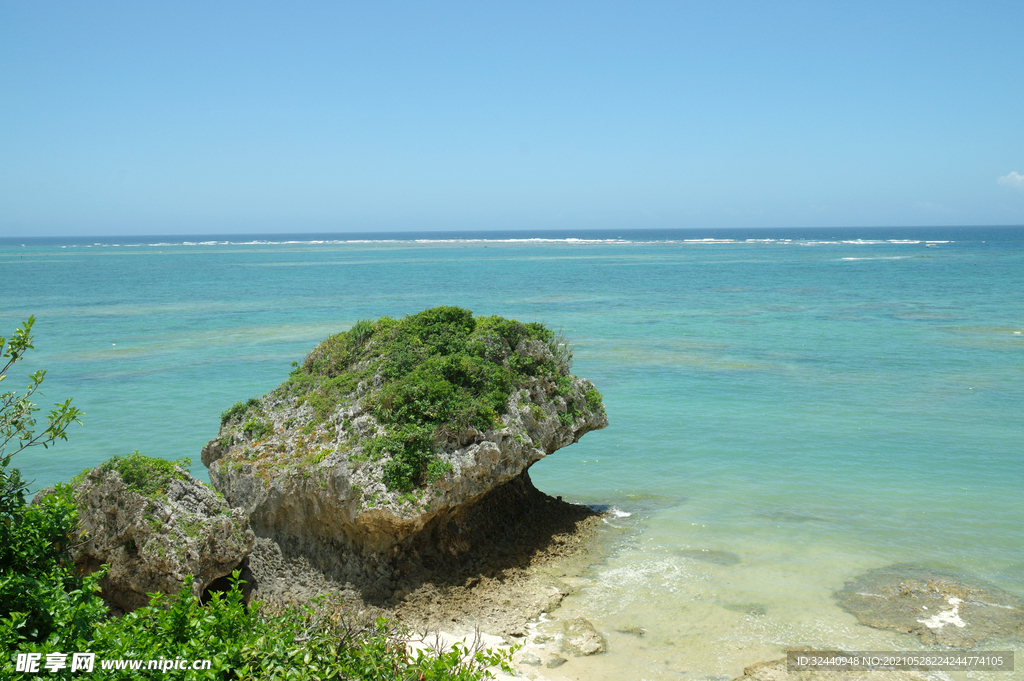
column 513, row 591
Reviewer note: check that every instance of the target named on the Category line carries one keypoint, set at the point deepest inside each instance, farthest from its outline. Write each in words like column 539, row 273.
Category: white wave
column 574, row 241
column 534, row 240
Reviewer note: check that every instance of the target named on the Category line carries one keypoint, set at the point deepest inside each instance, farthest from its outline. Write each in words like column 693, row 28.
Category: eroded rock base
column 481, row 568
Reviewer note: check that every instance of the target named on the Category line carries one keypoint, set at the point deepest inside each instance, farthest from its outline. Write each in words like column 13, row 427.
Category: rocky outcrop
column 313, row 464
column 151, row 543
column 939, row 607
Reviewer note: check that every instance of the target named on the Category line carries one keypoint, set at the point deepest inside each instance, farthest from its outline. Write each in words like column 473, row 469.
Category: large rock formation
column 383, row 441
column 153, row 524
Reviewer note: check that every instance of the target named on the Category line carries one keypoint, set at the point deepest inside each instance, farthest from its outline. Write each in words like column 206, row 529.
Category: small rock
column 530, row 659
column 556, row 662
column 746, row 608
column 581, row 638
column 633, row 631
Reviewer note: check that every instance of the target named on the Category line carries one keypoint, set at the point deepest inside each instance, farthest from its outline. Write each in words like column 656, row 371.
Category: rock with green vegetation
column 153, row 524
column 390, row 430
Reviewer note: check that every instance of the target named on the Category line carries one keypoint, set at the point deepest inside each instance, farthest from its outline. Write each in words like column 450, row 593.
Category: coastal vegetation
column 48, row 608
column 40, row 595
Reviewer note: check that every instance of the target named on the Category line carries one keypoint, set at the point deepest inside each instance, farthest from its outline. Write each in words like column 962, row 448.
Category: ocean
column 788, row 408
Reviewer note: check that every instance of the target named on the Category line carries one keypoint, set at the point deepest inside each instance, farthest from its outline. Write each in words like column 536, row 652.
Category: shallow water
column 786, row 413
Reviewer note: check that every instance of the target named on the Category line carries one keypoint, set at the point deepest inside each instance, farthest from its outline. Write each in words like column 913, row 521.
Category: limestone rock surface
column 941, row 608
column 152, row 543
column 312, row 473
column 581, row 638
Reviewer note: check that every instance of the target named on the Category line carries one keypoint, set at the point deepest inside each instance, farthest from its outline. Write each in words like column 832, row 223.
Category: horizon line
column 566, row 230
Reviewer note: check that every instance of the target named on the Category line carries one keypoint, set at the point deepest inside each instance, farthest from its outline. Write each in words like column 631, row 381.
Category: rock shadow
column 491, row 542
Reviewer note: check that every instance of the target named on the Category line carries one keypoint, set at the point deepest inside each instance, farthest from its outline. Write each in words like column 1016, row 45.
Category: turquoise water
column 816, row 402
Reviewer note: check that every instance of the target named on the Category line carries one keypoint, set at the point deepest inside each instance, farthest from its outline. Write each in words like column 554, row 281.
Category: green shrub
column 238, row 411
column 257, row 429
column 437, row 469
column 361, row 331
column 563, row 385
column 411, row 450
column 42, row 596
column 312, row 643
column 594, row 399
column 146, row 475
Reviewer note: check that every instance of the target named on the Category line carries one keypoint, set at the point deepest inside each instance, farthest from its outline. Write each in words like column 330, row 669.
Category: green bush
column 238, row 410
column 437, row 469
column 312, row 643
column 361, row 331
column 146, row 475
column 42, row 598
column 257, row 429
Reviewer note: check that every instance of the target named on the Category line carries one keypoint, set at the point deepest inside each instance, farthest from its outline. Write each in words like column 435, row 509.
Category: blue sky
column 216, row 117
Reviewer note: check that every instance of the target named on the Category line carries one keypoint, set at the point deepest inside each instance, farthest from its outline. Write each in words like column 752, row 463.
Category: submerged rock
column 775, row 670
column 373, row 455
column 153, row 524
column 754, row 609
column 934, row 605
column 633, row 631
column 581, row 638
